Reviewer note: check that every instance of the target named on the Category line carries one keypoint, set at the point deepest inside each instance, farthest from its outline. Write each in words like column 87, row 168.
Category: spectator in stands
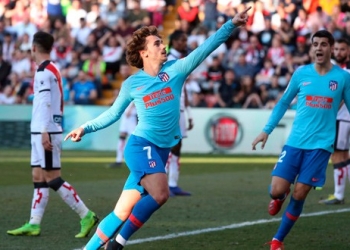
column 232, row 55
column 255, row 53
column 136, row 15
column 18, row 13
column 112, row 47
column 276, row 52
column 61, row 30
column 156, row 8
column 318, row 19
column 334, row 30
column 25, row 26
column 210, row 14
column 5, row 70
column 21, row 64
column 265, row 36
column 111, row 14
column 300, row 24
column 83, row 90
column 287, row 35
column 188, row 11
column 8, row 47
column 265, row 74
column 251, row 98
column 24, row 43
column 291, row 10
column 61, row 53
column 228, row 88
column 54, row 11
column 242, row 68
column 124, row 29
column 92, row 15
column 38, row 13
column 89, row 47
column 80, row 35
column 346, row 33
column 278, row 17
column 301, row 53
column 101, row 29
column 7, row 96
column 95, row 68
column 75, row 12
column 74, row 66
column 257, row 18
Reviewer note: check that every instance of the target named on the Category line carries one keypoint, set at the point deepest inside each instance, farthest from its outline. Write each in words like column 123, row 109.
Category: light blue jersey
column 157, row 98
column 318, row 100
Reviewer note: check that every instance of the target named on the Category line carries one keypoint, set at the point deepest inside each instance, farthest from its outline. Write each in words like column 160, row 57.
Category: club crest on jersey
column 163, row 76
column 333, row 85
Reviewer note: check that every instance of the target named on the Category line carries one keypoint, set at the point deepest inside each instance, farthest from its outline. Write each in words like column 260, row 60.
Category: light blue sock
column 105, row 231
column 290, row 216
column 140, row 214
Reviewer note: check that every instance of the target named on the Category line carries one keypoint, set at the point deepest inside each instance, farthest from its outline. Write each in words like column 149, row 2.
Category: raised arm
column 196, row 57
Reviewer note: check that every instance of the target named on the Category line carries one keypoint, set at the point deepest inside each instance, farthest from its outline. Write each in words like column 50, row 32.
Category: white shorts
column 342, row 136
column 46, row 159
column 183, row 127
column 128, row 124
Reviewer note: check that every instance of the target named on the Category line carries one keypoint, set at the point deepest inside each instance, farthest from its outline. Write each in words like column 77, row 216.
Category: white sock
column 174, row 171
column 339, row 182
column 39, row 202
column 120, row 240
column 70, row 196
column 120, row 150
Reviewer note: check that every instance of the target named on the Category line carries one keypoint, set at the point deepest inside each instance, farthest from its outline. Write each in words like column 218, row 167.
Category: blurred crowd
column 251, row 70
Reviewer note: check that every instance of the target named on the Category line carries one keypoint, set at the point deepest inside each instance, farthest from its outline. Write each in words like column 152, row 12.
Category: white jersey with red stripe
column 343, row 113
column 48, row 99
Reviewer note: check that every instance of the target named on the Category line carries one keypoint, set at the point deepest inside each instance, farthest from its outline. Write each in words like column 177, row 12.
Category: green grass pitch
column 227, row 191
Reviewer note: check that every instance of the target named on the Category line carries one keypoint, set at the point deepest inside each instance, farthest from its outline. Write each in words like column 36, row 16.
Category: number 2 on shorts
column 282, row 155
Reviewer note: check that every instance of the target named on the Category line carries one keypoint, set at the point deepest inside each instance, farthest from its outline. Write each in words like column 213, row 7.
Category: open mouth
column 319, row 55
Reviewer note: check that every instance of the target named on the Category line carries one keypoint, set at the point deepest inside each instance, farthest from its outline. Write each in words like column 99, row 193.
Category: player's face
column 155, row 50
column 181, row 43
column 341, row 51
column 321, row 50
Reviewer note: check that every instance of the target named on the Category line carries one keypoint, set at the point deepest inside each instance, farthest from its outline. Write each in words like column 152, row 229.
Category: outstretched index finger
column 246, row 10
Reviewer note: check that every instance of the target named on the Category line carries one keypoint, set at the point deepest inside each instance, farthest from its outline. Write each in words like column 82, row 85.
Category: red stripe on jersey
column 51, row 67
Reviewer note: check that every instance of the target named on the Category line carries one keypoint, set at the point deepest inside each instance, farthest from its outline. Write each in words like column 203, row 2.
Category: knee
column 299, row 194
column 161, row 197
column 277, row 191
column 122, row 214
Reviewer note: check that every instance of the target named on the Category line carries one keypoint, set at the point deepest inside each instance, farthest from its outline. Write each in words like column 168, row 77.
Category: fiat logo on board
column 223, row 132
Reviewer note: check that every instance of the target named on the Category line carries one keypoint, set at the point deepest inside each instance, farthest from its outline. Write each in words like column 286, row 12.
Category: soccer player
column 178, row 50
column 156, row 91
column 340, row 157
column 127, row 125
column 46, row 140
column 320, row 88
